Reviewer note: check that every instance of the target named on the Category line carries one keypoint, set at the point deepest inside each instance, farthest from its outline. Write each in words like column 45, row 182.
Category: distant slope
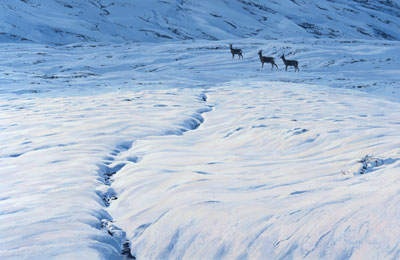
column 69, row 21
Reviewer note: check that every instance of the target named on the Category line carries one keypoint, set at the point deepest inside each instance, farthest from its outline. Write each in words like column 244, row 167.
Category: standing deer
column 267, row 60
column 288, row 63
column 235, row 51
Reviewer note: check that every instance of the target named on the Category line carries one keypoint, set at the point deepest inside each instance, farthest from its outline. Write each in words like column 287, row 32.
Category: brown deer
column 267, row 60
column 235, row 51
column 293, row 63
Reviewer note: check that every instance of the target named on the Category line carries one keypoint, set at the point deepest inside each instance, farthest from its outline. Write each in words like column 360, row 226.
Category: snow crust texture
column 178, row 151
column 265, row 182
column 54, row 198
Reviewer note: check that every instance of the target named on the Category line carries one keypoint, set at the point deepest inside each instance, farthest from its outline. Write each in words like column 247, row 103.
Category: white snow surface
column 262, row 178
column 190, row 154
column 54, row 151
column 128, row 131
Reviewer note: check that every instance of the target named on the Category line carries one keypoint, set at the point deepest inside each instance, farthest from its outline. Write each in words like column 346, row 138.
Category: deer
column 288, row 63
column 235, row 51
column 264, row 59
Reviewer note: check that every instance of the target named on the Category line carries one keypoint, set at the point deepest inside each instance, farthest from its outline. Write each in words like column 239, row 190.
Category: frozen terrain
column 66, row 21
column 127, row 131
column 178, row 151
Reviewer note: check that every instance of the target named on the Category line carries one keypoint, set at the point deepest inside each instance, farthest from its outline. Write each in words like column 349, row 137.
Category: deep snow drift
column 179, row 151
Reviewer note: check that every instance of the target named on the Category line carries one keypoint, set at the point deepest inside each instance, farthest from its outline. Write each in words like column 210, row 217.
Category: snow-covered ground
column 369, row 66
column 69, row 21
column 272, row 173
column 179, row 151
column 53, row 160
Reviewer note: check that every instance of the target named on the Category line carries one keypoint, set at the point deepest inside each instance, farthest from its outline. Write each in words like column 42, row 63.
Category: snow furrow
column 107, row 173
column 110, row 169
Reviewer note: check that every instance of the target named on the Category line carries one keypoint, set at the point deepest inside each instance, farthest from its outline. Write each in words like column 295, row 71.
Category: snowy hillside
column 65, row 21
column 128, row 131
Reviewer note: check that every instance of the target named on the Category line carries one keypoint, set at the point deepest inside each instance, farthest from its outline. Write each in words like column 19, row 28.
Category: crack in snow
column 107, row 173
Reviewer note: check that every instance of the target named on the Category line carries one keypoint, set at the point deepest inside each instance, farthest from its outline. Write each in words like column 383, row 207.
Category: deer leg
column 286, row 68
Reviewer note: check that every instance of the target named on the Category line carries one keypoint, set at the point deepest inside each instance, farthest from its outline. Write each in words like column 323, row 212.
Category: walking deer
column 293, row 63
column 235, row 51
column 264, row 59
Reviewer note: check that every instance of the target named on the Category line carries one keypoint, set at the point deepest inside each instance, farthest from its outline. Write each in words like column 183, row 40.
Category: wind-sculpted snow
column 261, row 179
column 62, row 22
column 53, row 165
column 178, row 151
